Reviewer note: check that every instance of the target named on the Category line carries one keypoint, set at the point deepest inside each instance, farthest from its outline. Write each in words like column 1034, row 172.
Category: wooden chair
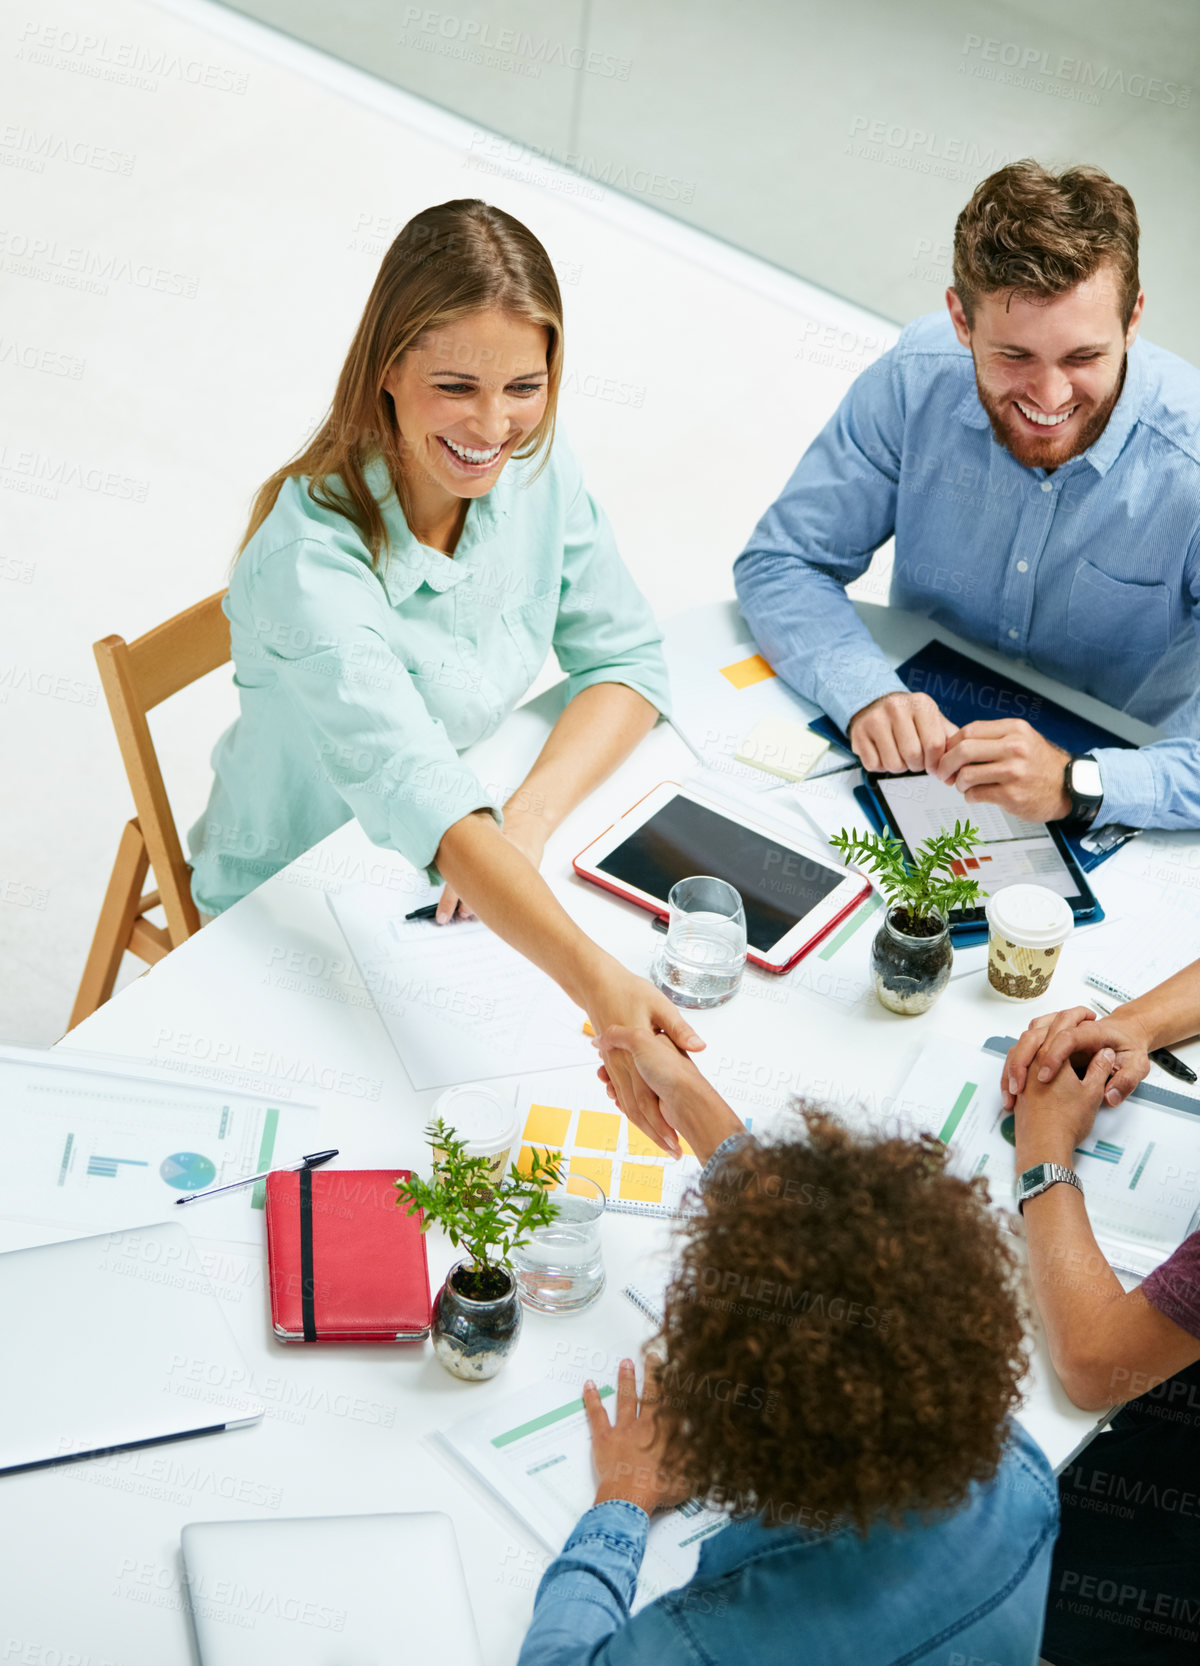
column 136, row 677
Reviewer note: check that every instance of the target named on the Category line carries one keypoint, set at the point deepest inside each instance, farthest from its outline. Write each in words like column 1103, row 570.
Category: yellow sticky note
column 641, row 1183
column 598, row 1130
column 524, row 1162
column 587, row 1028
column 641, row 1145
column 547, row 1122
column 747, row 672
column 598, row 1169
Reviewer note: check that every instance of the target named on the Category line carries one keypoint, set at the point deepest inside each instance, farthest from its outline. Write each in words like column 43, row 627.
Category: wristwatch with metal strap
column 1040, row 1178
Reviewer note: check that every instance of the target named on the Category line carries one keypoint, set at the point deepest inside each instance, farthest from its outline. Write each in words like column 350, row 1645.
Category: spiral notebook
column 649, row 1302
column 583, row 1125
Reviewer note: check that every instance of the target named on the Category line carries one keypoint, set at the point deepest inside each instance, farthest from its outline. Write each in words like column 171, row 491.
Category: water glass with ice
column 703, row 957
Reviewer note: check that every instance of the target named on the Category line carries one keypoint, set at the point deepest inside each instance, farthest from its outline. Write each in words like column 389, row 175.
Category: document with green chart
column 533, row 1450
column 1139, row 1165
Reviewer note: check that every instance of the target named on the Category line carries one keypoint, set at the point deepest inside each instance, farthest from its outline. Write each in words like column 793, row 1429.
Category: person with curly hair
column 842, row 1348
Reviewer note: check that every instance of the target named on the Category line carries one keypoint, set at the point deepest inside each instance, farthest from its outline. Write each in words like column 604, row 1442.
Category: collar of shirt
column 409, row 563
column 1126, row 412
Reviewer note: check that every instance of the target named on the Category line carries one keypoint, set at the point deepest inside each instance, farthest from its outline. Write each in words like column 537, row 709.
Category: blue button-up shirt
column 1091, row 573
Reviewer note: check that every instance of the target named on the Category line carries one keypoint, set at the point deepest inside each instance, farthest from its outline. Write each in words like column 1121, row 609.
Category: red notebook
column 346, row 1263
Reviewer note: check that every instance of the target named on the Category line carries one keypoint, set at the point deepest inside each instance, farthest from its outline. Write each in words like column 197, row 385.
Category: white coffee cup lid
column 484, row 1121
column 1031, row 916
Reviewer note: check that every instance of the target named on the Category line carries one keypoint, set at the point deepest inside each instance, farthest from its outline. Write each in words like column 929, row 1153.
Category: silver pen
column 314, row 1160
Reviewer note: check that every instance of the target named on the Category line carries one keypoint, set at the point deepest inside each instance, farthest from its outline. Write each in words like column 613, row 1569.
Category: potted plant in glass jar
column 912, row 954
column 477, row 1312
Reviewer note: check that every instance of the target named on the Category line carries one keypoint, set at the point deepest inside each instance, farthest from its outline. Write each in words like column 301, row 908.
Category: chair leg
column 122, row 902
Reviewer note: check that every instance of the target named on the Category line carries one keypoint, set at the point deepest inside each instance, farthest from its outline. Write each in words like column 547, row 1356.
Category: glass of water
column 702, row 959
column 560, row 1268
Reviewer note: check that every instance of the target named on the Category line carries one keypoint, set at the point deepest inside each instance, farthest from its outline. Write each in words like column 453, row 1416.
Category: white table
column 89, row 1555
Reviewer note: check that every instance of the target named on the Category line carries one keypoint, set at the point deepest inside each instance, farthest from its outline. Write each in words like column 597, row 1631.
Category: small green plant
column 927, row 887
column 488, row 1218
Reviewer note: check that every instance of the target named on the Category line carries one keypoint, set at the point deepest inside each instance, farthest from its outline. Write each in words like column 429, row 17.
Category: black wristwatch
column 1083, row 786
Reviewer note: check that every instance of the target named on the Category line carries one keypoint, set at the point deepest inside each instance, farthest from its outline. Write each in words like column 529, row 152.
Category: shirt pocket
column 1118, row 615
column 529, row 626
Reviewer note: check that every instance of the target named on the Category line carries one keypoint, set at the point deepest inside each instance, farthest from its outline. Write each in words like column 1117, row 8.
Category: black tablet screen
column 778, row 886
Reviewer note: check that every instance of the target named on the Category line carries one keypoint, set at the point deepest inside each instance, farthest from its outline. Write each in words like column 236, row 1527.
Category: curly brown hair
column 844, row 1335
column 1039, row 234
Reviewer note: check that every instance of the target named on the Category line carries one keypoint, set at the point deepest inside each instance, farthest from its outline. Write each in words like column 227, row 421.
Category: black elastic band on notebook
column 307, row 1307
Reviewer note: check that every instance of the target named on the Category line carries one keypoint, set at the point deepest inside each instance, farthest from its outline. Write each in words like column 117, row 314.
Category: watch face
column 1032, row 1178
column 1085, row 778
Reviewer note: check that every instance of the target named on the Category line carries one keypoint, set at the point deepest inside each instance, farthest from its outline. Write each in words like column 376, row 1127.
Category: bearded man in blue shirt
column 1039, row 466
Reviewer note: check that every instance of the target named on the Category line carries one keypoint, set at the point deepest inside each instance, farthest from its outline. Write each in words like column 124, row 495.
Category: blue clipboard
column 969, row 693
column 963, row 935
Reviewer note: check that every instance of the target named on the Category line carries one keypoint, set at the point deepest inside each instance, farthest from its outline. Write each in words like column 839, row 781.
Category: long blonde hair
column 446, row 263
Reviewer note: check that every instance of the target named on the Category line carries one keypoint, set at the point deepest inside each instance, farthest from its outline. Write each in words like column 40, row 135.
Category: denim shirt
column 1090, row 574
column 966, row 1587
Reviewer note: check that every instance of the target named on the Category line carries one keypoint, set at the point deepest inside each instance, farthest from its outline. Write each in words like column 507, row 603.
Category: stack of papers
column 1138, row 1164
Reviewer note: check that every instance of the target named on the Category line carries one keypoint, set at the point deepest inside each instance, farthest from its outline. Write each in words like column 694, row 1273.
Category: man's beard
column 1034, row 453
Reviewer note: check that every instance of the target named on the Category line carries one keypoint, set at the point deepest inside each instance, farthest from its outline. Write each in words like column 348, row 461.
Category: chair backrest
column 136, row 677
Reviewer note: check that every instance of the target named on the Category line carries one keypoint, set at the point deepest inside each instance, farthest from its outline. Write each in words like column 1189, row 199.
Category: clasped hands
column 1005, row 762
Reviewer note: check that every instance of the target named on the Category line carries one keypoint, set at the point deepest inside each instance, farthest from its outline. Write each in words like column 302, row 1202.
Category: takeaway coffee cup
column 1027, row 927
column 483, row 1120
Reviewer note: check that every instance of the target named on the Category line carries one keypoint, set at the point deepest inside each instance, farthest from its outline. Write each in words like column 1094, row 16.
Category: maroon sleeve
column 1174, row 1288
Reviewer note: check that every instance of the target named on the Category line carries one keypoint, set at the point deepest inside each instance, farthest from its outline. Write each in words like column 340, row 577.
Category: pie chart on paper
column 188, row 1171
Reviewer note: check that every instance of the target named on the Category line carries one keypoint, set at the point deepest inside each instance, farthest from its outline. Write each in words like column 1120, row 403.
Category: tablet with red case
column 346, row 1263
column 794, row 894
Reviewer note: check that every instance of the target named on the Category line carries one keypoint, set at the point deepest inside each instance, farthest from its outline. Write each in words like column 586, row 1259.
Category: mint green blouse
column 358, row 691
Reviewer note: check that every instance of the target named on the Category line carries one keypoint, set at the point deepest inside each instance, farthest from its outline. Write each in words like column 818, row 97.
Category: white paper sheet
column 533, row 1450
column 712, row 715
column 96, row 1148
column 1139, row 1166
column 457, row 1002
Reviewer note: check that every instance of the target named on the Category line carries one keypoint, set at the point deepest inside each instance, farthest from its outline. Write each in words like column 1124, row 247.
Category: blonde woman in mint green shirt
column 400, row 586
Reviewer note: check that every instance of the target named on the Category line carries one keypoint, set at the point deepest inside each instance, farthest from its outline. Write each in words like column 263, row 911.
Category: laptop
column 114, row 1341
column 329, row 1591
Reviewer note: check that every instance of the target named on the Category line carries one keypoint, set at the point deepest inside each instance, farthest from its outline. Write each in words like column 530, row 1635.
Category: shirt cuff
column 615, row 1518
column 726, row 1149
column 844, row 690
column 1127, row 779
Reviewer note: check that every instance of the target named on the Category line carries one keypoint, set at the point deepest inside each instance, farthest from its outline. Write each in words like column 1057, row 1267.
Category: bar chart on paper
column 1138, row 1165
column 112, row 1147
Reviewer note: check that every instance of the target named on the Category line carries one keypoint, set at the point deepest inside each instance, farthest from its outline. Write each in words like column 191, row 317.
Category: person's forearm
column 1072, row 1281
column 585, row 1594
column 1168, row 1013
column 810, row 633
column 598, row 730
column 1151, row 786
column 505, row 890
column 705, row 1121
